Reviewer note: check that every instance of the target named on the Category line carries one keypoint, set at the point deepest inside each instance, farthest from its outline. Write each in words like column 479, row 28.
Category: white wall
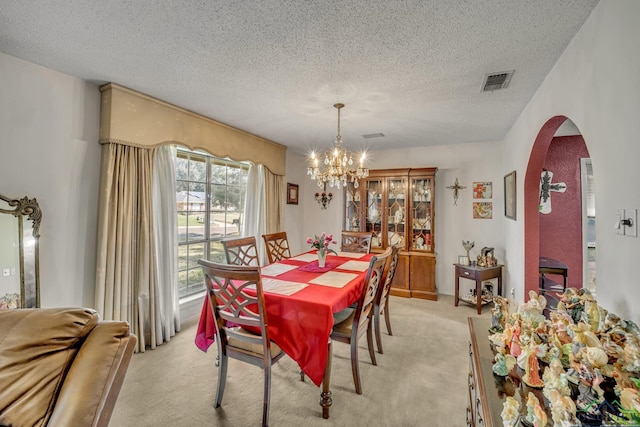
column 595, row 83
column 49, row 150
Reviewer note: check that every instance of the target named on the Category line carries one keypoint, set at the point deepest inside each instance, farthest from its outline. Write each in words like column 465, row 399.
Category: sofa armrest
column 90, row 390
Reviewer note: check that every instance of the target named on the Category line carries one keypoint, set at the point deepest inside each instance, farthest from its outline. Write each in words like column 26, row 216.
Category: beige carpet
column 420, row 380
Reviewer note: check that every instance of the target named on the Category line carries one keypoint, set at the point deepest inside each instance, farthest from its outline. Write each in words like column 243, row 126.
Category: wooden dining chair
column 351, row 324
column 382, row 300
column 356, row 241
column 277, row 246
column 241, row 323
column 241, row 251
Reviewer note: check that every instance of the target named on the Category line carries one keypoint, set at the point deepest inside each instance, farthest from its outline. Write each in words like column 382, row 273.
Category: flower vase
column 322, row 257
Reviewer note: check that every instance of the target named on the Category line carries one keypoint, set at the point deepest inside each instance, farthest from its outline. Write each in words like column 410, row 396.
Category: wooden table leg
column 325, row 395
column 479, row 295
column 457, row 297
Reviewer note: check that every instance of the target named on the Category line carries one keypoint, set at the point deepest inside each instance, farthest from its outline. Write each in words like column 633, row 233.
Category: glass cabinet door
column 421, row 236
column 352, row 208
column 396, row 192
column 373, row 214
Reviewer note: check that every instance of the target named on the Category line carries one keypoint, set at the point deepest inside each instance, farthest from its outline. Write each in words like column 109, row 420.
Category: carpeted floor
column 420, row 380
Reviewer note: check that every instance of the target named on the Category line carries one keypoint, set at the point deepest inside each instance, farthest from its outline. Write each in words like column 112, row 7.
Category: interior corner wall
column 561, row 229
column 49, row 150
column 595, row 84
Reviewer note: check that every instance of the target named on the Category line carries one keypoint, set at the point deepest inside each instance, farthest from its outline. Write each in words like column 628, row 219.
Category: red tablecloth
column 300, row 323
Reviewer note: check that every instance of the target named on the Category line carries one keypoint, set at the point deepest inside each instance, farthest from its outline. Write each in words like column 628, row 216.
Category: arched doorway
column 562, row 230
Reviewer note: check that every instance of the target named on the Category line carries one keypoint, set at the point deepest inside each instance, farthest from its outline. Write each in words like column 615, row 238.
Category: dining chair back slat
column 241, row 251
column 356, row 241
column 277, row 246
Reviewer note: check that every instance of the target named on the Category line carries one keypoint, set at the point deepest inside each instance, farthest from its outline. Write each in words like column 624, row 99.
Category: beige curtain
column 275, row 193
column 126, row 280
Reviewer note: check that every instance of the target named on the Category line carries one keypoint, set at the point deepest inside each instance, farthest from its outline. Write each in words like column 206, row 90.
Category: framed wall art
column 510, row 195
column 482, row 190
column 292, row 194
column 482, row 210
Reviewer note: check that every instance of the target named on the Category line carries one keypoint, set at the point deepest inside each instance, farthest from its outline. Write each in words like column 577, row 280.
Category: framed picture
column 292, row 194
column 510, row 195
column 482, row 210
column 463, row 260
column 482, row 190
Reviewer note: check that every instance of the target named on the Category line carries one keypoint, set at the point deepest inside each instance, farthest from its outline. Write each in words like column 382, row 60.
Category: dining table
column 301, row 298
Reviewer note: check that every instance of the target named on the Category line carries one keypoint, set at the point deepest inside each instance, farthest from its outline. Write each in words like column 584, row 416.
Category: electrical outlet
column 13, row 271
column 5, row 272
column 513, row 293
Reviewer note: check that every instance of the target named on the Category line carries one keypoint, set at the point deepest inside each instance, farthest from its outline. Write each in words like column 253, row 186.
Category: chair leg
column 267, row 395
column 387, row 319
column 222, row 379
column 355, row 369
column 376, row 324
column 301, row 375
column 372, row 352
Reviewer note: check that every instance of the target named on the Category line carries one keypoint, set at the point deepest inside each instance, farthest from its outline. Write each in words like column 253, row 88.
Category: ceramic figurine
column 630, row 400
column 504, row 363
column 530, row 356
column 535, row 414
column 563, row 409
column 555, row 378
column 510, row 412
column 499, row 314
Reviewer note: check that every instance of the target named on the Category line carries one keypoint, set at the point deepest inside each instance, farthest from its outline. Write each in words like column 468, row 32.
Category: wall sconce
column 324, row 198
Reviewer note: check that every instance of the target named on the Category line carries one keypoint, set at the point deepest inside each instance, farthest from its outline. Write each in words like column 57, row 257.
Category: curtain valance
column 131, row 118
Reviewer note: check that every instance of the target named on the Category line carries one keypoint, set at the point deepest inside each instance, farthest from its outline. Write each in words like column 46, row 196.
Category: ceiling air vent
column 495, row 81
column 373, row 135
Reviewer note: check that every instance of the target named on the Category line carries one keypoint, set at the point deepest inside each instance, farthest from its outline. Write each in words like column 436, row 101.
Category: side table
column 478, row 274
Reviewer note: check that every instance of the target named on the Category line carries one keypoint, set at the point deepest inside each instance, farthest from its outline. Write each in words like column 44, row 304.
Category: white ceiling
column 411, row 69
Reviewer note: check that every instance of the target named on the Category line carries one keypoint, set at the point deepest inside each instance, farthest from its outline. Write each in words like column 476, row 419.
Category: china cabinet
column 397, row 207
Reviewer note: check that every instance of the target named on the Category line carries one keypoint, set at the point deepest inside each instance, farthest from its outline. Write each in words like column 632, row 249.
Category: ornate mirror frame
column 26, row 241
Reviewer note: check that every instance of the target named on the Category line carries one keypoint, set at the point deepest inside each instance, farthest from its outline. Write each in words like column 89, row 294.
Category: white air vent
column 494, row 81
column 373, row 135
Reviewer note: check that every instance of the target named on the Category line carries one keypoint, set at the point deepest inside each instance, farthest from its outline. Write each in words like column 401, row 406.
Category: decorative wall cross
column 456, row 188
column 546, row 187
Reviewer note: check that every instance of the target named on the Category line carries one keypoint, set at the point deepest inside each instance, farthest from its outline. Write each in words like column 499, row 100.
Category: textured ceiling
column 410, row 69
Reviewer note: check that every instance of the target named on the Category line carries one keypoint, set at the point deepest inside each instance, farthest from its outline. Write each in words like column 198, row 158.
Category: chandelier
column 338, row 163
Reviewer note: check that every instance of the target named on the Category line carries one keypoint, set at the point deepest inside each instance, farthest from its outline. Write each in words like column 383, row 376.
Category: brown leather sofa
column 61, row 367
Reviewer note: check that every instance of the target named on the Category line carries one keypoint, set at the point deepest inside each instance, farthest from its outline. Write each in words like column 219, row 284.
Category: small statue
column 468, row 245
column 504, row 363
column 535, row 414
column 563, row 409
column 510, row 412
column 499, row 314
column 555, row 378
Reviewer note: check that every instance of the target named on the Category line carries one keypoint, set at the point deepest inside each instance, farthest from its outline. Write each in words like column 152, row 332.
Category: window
column 210, row 204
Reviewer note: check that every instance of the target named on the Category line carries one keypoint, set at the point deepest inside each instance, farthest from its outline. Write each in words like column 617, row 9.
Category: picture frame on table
column 292, row 193
column 463, row 260
column 510, row 195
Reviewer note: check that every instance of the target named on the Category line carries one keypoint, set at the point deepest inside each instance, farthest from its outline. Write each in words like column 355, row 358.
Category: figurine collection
column 579, row 366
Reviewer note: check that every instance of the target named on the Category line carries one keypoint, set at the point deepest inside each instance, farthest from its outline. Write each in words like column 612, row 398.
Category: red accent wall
column 561, row 229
